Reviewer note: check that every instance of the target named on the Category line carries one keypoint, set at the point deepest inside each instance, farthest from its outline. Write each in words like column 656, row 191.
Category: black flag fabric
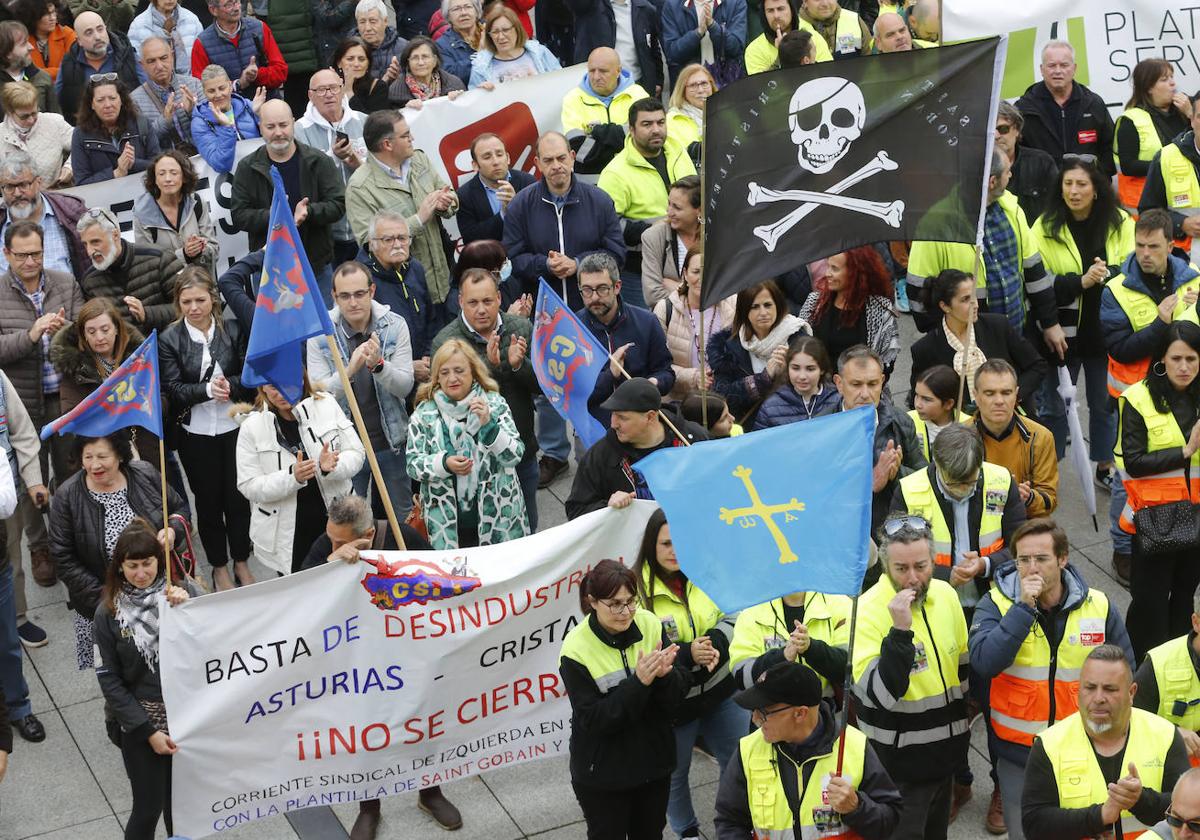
column 808, row 162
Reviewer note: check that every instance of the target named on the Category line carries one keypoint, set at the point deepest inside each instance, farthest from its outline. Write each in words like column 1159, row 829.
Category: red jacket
column 270, row 75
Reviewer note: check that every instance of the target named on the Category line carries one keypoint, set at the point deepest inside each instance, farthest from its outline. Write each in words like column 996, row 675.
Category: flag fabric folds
column 130, row 396
column 772, row 512
column 288, row 309
column 807, row 162
column 566, row 360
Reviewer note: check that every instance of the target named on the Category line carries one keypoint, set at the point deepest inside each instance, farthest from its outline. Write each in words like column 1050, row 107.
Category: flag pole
column 661, row 416
column 962, row 380
column 162, row 475
column 848, row 692
column 361, row 427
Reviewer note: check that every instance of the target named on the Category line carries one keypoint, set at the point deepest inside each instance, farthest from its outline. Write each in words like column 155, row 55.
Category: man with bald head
column 315, row 189
column 331, row 127
column 597, row 110
column 1182, row 820
column 96, row 50
column 924, row 19
column 167, row 98
column 891, row 34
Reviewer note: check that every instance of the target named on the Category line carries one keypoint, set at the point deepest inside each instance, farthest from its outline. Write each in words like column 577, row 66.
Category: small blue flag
column 129, row 397
column 772, row 512
column 288, row 310
column 566, row 360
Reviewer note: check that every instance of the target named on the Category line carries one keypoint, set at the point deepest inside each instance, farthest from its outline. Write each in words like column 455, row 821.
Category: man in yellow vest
column 910, row 677
column 1168, row 682
column 783, row 781
column 597, row 109
column 1105, row 770
column 1136, row 307
column 1172, row 182
column 1029, row 637
column 844, row 32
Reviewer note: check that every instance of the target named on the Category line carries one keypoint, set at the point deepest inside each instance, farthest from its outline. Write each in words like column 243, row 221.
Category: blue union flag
column 566, row 361
column 129, row 397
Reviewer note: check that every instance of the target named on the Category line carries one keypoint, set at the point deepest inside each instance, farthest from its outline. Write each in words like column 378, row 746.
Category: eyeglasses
column 1179, row 822
column 346, row 297
column 24, row 117
column 619, row 607
column 455, row 9
column 326, row 90
column 21, row 186
column 1003, row 128
column 1040, row 559
column 895, row 525
column 26, row 256
column 102, row 78
column 1088, row 159
column 502, row 30
column 398, row 239
column 595, row 291
column 698, row 85
column 759, row 716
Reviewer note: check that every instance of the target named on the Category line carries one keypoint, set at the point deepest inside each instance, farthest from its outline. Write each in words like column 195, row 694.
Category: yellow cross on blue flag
column 772, row 512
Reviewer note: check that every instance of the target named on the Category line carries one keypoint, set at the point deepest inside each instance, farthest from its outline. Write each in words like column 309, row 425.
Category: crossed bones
column 891, row 212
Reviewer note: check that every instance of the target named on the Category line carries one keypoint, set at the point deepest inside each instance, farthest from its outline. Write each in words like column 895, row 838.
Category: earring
column 1156, row 369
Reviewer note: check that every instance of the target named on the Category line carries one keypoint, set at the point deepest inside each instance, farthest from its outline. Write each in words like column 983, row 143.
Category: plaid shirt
column 51, row 379
column 1002, row 261
column 56, row 247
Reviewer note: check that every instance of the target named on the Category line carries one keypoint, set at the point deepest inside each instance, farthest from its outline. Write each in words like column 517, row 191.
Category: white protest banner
column 348, row 683
column 1110, row 37
column 214, row 188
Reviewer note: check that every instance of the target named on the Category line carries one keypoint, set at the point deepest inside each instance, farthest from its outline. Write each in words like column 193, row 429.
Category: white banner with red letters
column 1109, row 36
column 354, row 682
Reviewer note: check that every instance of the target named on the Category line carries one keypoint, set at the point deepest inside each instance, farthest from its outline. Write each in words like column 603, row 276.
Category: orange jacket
column 60, row 41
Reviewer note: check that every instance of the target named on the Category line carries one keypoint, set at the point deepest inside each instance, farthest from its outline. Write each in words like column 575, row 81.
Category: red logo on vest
column 1089, row 136
column 513, row 123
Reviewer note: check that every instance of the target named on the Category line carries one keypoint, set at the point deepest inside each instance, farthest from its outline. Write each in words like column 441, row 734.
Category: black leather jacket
column 183, row 383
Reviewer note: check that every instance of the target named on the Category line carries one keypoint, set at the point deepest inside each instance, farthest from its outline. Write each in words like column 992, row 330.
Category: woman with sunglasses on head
column 1155, row 114
column 111, row 139
column 1084, row 237
column 620, row 672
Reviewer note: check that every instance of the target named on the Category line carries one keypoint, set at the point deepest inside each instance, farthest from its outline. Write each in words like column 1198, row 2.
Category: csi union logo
column 407, row 582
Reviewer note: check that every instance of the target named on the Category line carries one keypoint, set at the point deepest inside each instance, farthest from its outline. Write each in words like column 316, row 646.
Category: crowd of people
column 971, row 606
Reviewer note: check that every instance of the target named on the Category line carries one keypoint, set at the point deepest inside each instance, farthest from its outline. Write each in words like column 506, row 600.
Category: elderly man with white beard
column 140, row 279
column 1106, row 770
column 25, row 199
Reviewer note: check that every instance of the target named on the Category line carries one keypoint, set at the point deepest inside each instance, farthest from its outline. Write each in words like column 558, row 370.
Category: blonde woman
column 464, row 448
column 685, row 114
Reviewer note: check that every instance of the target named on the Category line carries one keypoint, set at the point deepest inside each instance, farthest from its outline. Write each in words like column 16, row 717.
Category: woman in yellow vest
column 935, row 404
column 1156, row 114
column 685, row 114
column 1084, row 237
column 1160, row 448
column 691, row 620
column 619, row 669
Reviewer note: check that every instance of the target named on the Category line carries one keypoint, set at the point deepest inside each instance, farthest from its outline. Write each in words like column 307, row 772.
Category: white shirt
column 626, row 47
column 210, row 418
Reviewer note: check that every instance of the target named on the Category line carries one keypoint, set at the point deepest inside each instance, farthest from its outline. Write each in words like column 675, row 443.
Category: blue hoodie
column 217, row 142
column 625, row 81
column 787, row 406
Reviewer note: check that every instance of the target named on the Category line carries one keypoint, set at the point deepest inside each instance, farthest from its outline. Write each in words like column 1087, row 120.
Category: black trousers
column 150, row 778
column 925, row 812
column 222, row 513
column 639, row 813
column 1160, row 589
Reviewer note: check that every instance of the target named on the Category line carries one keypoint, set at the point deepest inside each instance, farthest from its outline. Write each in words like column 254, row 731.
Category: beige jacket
column 682, row 338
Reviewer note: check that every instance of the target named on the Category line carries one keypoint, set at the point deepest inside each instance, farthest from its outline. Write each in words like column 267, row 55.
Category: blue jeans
column 12, row 678
column 1102, row 414
column 325, row 284
column 551, row 431
column 631, row 289
column 395, row 478
column 723, row 727
column 1121, row 541
column 527, row 474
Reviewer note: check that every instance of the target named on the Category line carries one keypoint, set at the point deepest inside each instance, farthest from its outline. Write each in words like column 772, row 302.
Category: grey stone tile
column 49, row 786
column 37, row 597
column 575, row 831
column 537, row 795
column 483, row 816
column 276, row 828
column 39, row 697
column 86, row 722
column 105, row 828
column 55, row 663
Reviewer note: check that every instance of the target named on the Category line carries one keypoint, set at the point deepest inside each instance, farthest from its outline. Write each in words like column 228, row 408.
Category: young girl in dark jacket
column 126, row 631
column 807, row 389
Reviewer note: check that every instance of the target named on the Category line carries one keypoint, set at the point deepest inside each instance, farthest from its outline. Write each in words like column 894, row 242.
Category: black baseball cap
column 787, row 682
column 634, row 395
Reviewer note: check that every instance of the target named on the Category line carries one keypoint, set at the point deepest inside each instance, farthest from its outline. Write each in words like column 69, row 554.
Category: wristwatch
column 378, row 368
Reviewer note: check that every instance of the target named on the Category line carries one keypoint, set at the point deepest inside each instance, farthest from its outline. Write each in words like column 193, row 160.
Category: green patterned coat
column 501, row 503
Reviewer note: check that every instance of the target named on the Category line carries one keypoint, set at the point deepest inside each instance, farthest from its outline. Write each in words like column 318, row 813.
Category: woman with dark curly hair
column 170, row 216
column 111, row 139
column 855, row 306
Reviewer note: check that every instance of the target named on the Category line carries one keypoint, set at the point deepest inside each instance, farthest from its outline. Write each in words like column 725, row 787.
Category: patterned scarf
column 965, row 367
column 462, row 427
column 423, row 91
column 1002, row 261
column 137, row 614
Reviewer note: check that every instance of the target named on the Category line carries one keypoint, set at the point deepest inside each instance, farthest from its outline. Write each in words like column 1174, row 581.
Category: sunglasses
column 1002, row 130
column 1090, row 160
column 102, row 78
column 895, row 525
column 1179, row 822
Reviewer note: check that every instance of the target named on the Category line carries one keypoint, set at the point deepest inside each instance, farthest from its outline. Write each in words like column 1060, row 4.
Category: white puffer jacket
column 265, row 467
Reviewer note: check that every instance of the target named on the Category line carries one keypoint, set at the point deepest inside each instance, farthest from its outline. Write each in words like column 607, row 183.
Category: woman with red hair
column 854, row 306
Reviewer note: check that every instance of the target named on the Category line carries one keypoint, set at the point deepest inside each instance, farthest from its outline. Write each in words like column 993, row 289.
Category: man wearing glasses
column 794, row 754
column 1029, row 638
column 1034, row 172
column 910, row 677
column 57, row 213
column 1182, row 820
column 1105, row 770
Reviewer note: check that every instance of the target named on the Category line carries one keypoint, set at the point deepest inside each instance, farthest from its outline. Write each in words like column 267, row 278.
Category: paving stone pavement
column 73, row 786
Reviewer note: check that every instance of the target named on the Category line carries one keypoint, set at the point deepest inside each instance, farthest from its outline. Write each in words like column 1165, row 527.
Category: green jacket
column 320, row 182
column 292, row 26
column 372, row 189
column 518, row 387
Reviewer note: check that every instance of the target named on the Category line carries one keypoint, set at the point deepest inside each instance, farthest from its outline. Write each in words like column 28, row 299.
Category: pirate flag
column 807, row 162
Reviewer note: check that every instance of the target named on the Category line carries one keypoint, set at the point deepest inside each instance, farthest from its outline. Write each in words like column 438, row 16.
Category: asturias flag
column 289, row 309
column 772, row 512
column 129, row 397
column 566, row 360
